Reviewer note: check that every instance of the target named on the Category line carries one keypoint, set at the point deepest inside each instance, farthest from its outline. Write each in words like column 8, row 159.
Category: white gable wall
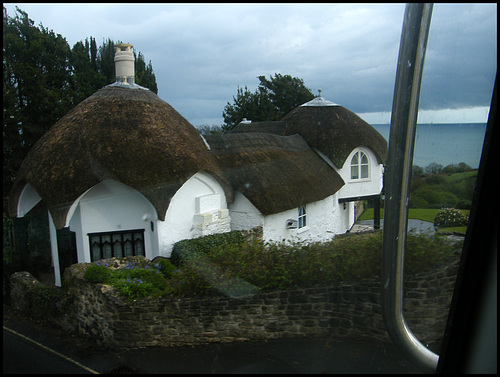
column 27, row 200
column 197, row 209
column 324, row 219
column 244, row 215
column 361, row 187
column 112, row 206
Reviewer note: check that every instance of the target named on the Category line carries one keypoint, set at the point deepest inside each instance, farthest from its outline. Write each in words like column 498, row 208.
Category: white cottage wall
column 324, row 219
column 112, row 206
column 198, row 208
column 361, row 187
column 27, row 200
column 244, row 215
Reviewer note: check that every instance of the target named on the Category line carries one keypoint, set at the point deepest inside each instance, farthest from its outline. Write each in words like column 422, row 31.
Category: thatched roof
column 271, row 127
column 330, row 128
column 335, row 131
column 128, row 135
column 275, row 173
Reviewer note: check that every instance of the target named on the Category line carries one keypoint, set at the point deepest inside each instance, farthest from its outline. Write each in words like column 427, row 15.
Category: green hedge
column 189, row 249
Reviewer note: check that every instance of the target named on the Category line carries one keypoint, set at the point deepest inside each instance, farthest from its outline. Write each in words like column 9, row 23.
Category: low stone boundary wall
column 351, row 310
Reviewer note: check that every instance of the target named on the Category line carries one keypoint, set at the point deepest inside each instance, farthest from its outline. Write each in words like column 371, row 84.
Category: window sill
column 303, row 229
column 361, row 180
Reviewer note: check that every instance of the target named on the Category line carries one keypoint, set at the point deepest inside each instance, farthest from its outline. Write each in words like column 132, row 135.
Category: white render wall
column 361, row 187
column 324, row 219
column 244, row 215
column 197, row 209
column 112, row 206
column 27, row 200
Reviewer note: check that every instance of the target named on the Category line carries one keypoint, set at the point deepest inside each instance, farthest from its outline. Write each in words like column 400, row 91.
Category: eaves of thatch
column 271, row 127
column 128, row 135
column 275, row 173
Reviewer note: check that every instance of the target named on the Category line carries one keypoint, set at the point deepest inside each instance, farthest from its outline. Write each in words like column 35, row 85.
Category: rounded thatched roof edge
column 127, row 135
column 335, row 131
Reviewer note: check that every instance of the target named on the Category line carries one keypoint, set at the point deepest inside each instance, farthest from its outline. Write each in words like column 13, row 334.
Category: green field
column 419, row 214
column 414, row 213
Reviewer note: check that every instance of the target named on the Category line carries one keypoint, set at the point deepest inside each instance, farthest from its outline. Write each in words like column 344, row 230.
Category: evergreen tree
column 37, row 91
column 86, row 79
column 272, row 100
column 285, row 92
column 252, row 106
column 144, row 75
column 43, row 79
column 106, row 61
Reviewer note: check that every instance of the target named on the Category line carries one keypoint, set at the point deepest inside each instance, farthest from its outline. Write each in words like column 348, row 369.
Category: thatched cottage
column 123, row 173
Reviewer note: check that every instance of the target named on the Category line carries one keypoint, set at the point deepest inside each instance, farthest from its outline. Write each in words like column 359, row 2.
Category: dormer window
column 359, row 166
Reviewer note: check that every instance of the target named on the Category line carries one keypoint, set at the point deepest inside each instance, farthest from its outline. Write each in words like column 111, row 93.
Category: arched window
column 359, row 166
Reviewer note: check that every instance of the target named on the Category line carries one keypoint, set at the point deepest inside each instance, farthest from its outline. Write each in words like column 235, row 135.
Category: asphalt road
column 37, row 347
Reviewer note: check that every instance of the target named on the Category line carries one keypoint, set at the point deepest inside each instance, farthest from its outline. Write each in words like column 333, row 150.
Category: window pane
column 354, row 172
column 354, row 160
column 117, row 246
column 364, row 171
column 364, row 159
column 302, row 216
column 139, row 247
column 96, row 249
column 127, row 248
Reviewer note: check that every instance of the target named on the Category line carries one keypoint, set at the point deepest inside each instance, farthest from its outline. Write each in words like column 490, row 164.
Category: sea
column 445, row 144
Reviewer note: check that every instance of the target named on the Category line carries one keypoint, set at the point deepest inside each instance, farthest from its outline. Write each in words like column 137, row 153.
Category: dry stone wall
column 351, row 310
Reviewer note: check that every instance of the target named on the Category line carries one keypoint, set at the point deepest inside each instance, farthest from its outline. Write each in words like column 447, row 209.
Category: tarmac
column 33, row 346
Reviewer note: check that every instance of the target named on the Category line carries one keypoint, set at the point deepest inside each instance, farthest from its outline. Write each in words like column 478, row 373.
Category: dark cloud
column 202, row 53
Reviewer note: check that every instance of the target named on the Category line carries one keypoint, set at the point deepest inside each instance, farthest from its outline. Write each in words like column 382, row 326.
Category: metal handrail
column 412, row 48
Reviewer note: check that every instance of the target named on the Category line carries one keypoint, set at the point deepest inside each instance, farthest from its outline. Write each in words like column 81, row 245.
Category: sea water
column 445, row 144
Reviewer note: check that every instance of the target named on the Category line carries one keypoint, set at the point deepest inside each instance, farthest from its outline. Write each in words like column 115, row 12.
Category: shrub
column 48, row 302
column 435, row 179
column 98, row 274
column 254, row 265
column 132, row 281
column 424, row 252
column 464, row 204
column 277, row 266
column 450, row 217
column 165, row 266
column 418, row 202
column 190, row 249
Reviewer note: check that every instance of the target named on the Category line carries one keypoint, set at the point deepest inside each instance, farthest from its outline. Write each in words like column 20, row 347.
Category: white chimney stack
column 124, row 64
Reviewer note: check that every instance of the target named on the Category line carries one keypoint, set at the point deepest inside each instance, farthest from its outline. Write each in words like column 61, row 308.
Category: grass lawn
column 424, row 214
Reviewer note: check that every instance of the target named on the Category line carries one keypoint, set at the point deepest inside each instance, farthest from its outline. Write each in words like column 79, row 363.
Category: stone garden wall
column 351, row 310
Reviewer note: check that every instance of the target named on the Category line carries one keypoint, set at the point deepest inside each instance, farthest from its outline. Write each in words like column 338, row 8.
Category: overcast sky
column 201, row 53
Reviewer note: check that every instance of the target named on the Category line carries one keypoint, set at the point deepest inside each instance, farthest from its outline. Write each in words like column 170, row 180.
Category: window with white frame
column 359, row 166
column 302, row 217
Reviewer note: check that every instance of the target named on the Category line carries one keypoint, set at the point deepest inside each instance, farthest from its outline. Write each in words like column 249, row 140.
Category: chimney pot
column 124, row 64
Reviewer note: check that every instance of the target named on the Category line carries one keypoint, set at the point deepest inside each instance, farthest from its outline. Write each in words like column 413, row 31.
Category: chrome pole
column 412, row 48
